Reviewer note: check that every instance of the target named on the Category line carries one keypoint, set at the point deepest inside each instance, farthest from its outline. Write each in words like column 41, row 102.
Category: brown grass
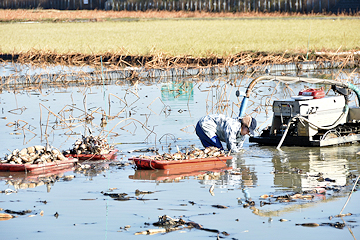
column 115, row 60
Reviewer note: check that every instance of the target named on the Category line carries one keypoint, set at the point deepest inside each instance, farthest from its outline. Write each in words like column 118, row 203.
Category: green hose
column 356, row 90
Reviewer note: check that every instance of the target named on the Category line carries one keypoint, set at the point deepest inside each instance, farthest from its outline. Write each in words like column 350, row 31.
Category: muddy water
column 162, row 114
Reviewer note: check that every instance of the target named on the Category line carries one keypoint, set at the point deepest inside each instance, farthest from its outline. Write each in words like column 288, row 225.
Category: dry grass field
column 181, row 37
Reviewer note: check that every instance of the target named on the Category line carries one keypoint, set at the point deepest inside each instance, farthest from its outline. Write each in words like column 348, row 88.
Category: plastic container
column 94, row 157
column 316, row 93
column 151, row 163
column 7, row 167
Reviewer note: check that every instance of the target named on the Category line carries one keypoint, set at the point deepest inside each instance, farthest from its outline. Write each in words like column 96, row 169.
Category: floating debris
column 68, row 178
column 125, row 197
column 264, row 196
column 335, row 225
column 343, row 215
column 307, row 224
column 293, row 197
column 34, row 155
column 115, row 195
column 138, row 192
column 150, row 149
column 166, row 221
column 120, row 164
column 219, row 206
column 8, row 191
column 168, row 224
column 91, row 145
column 5, row 216
column 211, row 190
column 24, row 212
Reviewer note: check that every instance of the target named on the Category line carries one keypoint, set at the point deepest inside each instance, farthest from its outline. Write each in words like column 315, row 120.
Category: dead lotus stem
column 28, row 131
column 56, row 115
column 183, row 129
column 26, row 123
column 123, row 127
column 47, row 123
column 126, row 120
column 232, row 108
column 352, row 190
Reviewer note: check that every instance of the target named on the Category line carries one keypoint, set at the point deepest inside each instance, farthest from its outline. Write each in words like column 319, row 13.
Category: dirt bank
column 253, row 59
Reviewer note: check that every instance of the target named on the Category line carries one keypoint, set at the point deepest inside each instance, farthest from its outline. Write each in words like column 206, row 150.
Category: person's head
column 248, row 125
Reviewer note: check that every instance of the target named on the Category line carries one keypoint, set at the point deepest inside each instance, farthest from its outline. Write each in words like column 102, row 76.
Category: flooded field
column 263, row 194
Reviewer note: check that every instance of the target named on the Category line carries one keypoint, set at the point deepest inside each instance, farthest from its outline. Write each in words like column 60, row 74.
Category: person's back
column 212, row 129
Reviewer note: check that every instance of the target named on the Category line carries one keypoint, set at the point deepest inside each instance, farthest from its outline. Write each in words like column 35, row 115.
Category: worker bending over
column 217, row 128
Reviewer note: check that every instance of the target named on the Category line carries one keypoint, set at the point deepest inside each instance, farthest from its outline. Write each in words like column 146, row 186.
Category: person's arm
column 231, row 140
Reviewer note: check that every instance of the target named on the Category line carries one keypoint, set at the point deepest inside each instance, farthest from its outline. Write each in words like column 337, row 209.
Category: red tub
column 52, row 166
column 95, row 157
column 199, row 163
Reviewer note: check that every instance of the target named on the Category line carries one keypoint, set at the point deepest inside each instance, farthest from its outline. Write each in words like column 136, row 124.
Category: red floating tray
column 151, row 163
column 95, row 157
column 38, row 167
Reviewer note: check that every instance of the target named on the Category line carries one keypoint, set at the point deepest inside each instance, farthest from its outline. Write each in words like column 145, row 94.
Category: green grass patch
column 180, row 37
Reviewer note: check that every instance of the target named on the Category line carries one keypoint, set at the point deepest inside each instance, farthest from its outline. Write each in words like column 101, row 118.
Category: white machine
column 326, row 111
column 310, row 119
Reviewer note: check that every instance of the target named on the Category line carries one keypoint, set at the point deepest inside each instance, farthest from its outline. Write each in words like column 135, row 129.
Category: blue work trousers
column 205, row 140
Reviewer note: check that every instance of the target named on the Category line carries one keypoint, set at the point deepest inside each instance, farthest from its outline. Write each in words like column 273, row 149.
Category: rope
column 150, row 164
column 221, row 161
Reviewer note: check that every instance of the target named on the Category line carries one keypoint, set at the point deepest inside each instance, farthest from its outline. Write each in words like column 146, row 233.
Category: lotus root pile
column 91, row 145
column 34, row 155
column 193, row 154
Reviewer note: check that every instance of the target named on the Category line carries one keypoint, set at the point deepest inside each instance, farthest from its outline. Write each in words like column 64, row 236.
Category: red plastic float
column 200, row 163
column 51, row 166
column 95, row 157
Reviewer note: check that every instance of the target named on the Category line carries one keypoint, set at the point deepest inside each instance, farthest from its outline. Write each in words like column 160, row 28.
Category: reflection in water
column 324, row 171
column 302, row 169
column 135, row 121
column 304, row 177
column 93, row 168
column 247, row 174
column 179, row 91
column 177, row 174
column 22, row 180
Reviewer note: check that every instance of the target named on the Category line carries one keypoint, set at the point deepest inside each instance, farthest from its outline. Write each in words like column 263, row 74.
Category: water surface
column 162, row 114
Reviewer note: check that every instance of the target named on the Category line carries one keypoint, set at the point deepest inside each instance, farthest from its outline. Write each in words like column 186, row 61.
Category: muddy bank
column 347, row 59
column 43, row 69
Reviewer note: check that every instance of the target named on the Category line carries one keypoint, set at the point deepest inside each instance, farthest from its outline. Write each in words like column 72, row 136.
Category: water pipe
column 290, row 80
column 356, row 90
column 243, row 106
